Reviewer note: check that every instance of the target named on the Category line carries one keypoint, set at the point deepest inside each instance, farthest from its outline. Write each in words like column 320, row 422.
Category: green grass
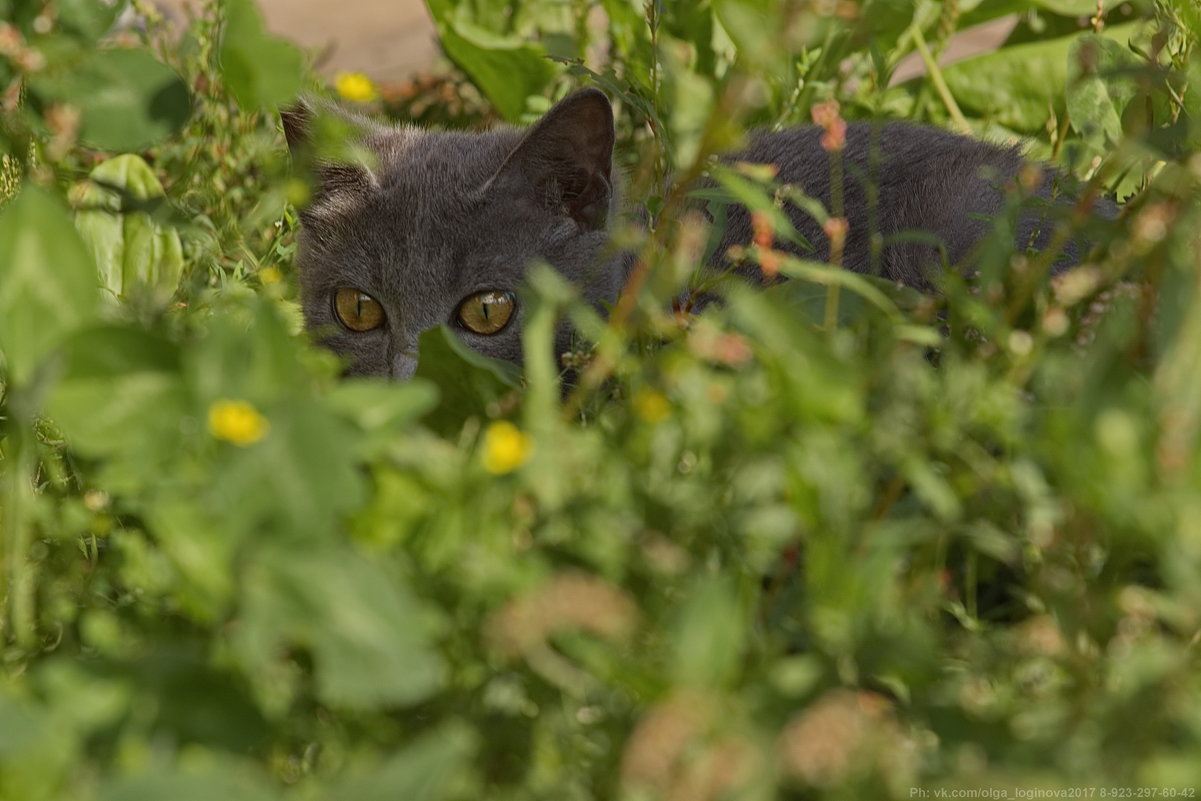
column 831, row 540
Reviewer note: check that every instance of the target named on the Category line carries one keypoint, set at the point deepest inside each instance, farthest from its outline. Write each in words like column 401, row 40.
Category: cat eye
column 357, row 310
column 487, row 312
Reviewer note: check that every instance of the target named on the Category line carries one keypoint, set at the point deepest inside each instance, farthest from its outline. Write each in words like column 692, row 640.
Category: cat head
column 440, row 227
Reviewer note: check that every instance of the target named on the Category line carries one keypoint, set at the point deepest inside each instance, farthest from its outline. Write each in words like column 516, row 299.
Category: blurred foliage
column 831, row 540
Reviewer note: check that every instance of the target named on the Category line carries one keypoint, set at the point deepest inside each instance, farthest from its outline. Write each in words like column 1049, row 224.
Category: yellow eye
column 487, row 312
column 357, row 310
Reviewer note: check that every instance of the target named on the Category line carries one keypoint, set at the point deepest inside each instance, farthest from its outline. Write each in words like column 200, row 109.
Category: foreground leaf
column 128, row 99
column 47, row 280
column 467, row 380
column 369, row 637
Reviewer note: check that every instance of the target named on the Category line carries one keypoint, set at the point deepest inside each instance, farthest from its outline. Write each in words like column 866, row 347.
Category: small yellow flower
column 237, row 422
column 270, row 275
column 355, row 86
column 505, row 448
column 651, row 406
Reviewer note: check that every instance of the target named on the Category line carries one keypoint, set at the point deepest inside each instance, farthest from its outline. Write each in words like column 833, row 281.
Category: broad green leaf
column 882, row 22
column 89, row 19
column 1018, row 86
column 128, row 99
column 47, row 280
column 467, row 380
column 1096, row 94
column 221, row 778
column 750, row 27
column 369, row 637
column 426, row 770
column 691, row 103
column 507, row 69
column 120, row 395
column 35, row 753
column 383, row 408
column 136, row 255
column 709, row 637
column 978, row 11
column 301, row 476
column 261, row 70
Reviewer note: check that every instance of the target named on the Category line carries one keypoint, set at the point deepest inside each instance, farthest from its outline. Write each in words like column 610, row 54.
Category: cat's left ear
column 566, row 158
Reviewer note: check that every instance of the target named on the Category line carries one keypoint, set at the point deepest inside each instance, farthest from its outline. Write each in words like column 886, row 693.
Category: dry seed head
column 662, row 737
column 842, row 734
column 569, row 601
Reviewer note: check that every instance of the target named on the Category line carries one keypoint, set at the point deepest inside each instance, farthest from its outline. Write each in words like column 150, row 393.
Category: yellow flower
column 270, row 275
column 505, row 448
column 237, row 422
column 651, row 406
column 355, row 86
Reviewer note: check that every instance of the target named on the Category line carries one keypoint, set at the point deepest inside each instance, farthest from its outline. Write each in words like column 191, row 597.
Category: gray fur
column 442, row 215
column 926, row 181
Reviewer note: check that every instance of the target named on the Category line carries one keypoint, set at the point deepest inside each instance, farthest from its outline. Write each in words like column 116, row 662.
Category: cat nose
column 403, row 367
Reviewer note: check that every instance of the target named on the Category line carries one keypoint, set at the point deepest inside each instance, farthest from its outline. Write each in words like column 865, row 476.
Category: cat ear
column 333, row 178
column 566, row 158
column 298, row 121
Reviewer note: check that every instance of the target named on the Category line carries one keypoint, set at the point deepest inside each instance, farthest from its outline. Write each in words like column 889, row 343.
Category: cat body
column 441, row 227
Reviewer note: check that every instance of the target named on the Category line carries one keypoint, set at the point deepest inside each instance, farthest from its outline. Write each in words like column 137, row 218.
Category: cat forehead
column 451, row 160
column 411, row 175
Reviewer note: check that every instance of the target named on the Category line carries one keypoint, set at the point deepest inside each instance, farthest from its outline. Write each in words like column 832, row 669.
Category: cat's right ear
column 298, row 122
column 331, row 179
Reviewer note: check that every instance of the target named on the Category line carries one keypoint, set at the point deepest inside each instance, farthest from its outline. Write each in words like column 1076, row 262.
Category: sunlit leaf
column 137, row 256
column 262, row 71
column 508, row 69
column 1019, row 86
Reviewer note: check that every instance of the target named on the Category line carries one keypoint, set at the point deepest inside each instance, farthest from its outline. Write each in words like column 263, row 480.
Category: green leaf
column 1018, row 86
column 301, row 476
column 883, row 21
column 128, row 99
column 35, row 753
column 427, row 770
column 261, row 70
column 136, row 255
column 380, row 408
column 369, row 637
column 88, row 19
column 507, row 69
column 467, row 380
column 1096, row 94
column 709, row 635
column 47, row 280
column 225, row 779
column 978, row 11
column 120, row 395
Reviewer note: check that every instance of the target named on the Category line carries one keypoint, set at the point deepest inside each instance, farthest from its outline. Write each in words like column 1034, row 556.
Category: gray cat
column 441, row 229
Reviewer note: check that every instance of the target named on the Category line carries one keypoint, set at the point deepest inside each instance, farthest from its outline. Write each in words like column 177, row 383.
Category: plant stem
column 940, row 84
column 16, row 580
